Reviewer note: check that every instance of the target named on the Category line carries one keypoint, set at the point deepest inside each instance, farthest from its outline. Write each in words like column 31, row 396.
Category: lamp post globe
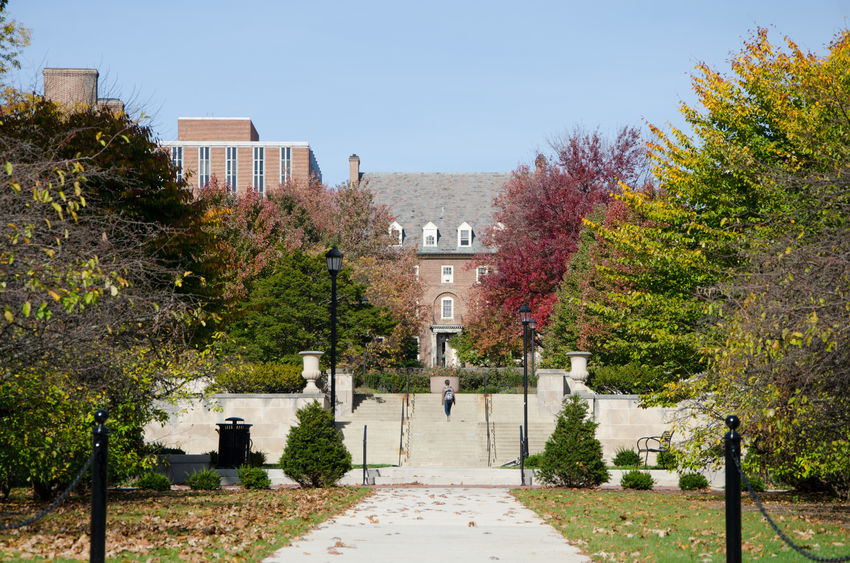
column 334, row 261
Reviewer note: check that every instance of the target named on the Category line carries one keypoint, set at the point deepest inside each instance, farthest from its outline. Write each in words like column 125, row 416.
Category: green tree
column 573, row 455
column 315, row 455
column 289, row 311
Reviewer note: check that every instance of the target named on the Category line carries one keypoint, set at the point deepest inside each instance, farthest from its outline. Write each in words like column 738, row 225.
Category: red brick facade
column 218, row 134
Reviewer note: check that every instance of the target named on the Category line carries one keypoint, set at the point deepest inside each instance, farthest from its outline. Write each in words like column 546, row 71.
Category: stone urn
column 578, row 370
column 311, row 370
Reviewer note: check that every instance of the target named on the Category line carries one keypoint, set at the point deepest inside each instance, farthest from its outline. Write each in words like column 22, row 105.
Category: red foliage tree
column 539, row 217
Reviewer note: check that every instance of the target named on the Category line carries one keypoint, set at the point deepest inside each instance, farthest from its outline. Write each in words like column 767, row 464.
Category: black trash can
column 234, row 442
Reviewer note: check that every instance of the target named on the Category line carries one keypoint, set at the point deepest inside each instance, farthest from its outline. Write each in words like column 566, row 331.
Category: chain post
column 733, row 490
column 522, row 456
column 100, row 440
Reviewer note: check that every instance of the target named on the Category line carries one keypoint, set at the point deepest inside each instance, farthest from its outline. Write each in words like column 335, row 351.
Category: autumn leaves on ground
column 227, row 525
column 236, row 525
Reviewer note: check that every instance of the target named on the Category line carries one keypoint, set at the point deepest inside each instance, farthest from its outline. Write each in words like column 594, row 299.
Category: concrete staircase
column 428, row 439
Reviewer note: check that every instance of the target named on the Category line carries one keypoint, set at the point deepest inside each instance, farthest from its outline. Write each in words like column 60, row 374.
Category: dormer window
column 464, row 235
column 429, row 234
column 397, row 233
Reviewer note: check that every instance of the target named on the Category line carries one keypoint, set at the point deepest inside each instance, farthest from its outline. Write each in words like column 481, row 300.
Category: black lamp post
column 525, row 319
column 334, row 259
column 532, row 326
column 364, row 302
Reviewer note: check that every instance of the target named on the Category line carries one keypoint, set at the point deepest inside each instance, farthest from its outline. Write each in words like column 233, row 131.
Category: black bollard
column 364, row 453
column 522, row 456
column 100, row 440
column 733, row 490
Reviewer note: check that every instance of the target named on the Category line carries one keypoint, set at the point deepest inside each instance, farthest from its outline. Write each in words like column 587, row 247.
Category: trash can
column 234, row 442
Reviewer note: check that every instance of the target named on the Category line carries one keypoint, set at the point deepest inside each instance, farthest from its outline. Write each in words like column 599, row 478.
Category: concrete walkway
column 433, row 524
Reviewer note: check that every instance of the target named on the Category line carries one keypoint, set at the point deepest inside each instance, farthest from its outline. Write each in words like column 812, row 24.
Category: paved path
column 431, row 525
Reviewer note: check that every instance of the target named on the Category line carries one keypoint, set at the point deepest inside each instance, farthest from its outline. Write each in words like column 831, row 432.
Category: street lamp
column 334, row 259
column 532, row 326
column 364, row 301
column 525, row 319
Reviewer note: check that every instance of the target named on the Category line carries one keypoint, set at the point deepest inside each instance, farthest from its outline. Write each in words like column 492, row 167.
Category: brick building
column 76, row 87
column 230, row 149
column 443, row 216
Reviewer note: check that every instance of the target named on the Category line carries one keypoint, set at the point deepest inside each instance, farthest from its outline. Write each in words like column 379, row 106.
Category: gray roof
column 447, row 200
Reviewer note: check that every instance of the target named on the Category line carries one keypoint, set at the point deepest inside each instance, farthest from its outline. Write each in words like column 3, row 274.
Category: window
column 464, row 235
column 448, row 274
column 177, row 161
column 416, row 271
column 203, row 166
column 259, row 170
column 231, row 166
column 448, row 305
column 397, row 233
column 480, row 272
column 285, row 164
column 416, row 339
column 429, row 234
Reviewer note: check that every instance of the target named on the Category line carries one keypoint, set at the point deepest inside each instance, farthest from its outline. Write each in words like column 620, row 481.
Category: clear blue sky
column 409, row 86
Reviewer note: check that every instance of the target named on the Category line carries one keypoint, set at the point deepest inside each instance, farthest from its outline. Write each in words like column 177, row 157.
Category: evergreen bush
column 153, row 482
column 626, row 457
column 256, row 459
column 638, row 480
column 667, row 460
column 315, row 455
column 693, row 482
column 632, row 378
column 533, row 461
column 269, row 377
column 756, row 482
column 253, row 477
column 206, row 480
column 573, row 455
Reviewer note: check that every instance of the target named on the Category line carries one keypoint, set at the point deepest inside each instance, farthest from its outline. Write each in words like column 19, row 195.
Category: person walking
column 448, row 399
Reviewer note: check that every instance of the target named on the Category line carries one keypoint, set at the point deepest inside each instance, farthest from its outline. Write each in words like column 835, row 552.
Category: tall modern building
column 230, row 149
column 443, row 216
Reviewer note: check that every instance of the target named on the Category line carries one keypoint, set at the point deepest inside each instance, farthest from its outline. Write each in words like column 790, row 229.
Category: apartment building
column 442, row 216
column 229, row 149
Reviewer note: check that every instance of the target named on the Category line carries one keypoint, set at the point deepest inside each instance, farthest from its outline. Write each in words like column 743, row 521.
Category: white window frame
column 177, row 161
column 480, row 272
column 429, row 230
column 397, row 233
column 451, row 308
column 231, row 168
column 418, row 348
column 259, row 168
column 416, row 271
column 285, row 164
column 464, row 228
column 203, row 166
column 447, row 274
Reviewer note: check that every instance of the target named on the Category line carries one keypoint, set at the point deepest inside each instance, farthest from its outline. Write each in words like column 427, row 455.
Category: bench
column 655, row 444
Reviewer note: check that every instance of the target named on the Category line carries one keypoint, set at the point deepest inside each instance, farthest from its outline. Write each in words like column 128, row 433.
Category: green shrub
column 315, row 455
column 630, row 378
column 573, row 455
column 638, row 480
column 206, row 480
column 756, row 482
column 269, row 377
column 157, row 448
column 153, row 482
column 533, row 461
column 256, row 459
column 693, row 482
column 626, row 457
column 253, row 477
column 667, row 460
column 213, row 457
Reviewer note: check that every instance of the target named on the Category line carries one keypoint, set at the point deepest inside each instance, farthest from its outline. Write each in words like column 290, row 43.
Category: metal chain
column 55, row 503
column 779, row 532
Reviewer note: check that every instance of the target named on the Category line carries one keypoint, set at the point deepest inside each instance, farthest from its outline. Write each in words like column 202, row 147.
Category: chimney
column 354, row 170
column 71, row 86
column 540, row 163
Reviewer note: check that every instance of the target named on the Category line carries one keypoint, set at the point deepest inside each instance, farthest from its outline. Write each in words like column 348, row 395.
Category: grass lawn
column 229, row 525
column 614, row 525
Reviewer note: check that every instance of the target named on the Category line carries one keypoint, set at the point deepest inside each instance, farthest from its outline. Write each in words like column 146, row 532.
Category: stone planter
column 178, row 467
column 438, row 383
column 311, row 370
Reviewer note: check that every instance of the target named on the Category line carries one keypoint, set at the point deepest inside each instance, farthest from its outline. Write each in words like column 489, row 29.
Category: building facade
column 76, row 87
column 229, row 149
column 444, row 217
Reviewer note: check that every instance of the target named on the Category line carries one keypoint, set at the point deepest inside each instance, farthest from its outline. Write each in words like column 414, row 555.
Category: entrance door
column 442, row 339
